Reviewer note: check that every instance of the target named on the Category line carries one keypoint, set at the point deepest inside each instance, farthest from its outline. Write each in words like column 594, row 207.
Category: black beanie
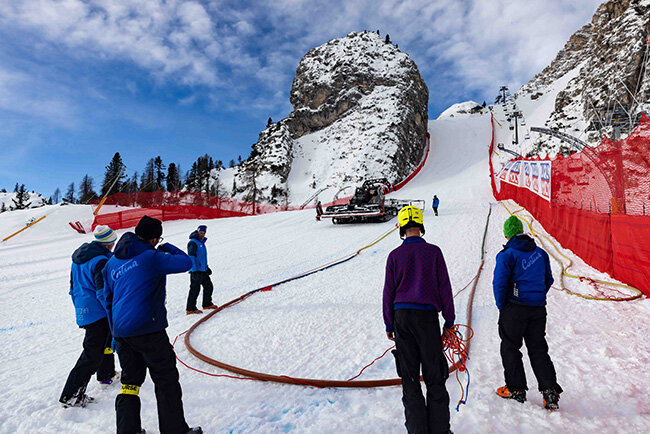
column 148, row 228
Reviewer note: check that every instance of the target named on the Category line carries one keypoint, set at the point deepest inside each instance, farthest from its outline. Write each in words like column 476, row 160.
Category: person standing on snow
column 134, row 297
column 416, row 288
column 522, row 278
column 86, row 279
column 435, row 204
column 199, row 273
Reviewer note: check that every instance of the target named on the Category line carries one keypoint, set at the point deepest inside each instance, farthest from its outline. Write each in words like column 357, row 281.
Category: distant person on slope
column 416, row 288
column 435, row 204
column 97, row 355
column 522, row 277
column 200, row 272
column 134, row 297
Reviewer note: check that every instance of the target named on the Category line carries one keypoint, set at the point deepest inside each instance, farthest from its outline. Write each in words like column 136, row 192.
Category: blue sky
column 83, row 79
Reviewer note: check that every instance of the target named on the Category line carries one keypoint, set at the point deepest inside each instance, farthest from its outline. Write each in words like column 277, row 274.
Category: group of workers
column 119, row 300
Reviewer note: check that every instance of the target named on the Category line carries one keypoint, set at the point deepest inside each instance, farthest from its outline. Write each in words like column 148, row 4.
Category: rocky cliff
column 611, row 87
column 359, row 110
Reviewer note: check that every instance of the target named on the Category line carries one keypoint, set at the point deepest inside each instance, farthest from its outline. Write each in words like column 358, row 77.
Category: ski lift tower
column 516, row 114
column 504, row 90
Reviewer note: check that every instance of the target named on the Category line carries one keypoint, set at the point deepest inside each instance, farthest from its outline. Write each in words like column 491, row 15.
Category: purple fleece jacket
column 417, row 278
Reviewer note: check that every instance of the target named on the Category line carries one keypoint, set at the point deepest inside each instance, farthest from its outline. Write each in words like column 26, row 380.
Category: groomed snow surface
column 328, row 325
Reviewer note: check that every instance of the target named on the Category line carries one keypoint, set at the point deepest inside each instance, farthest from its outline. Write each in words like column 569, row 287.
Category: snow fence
column 595, row 202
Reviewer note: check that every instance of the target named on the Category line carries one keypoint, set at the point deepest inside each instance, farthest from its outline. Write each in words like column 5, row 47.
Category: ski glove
column 209, row 272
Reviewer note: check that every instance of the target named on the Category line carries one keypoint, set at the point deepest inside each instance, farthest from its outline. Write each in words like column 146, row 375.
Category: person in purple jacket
column 416, row 288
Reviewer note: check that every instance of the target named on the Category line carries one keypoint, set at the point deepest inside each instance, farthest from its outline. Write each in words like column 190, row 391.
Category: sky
column 83, row 79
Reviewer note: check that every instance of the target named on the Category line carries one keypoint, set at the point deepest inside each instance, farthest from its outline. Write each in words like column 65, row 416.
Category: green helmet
column 512, row 227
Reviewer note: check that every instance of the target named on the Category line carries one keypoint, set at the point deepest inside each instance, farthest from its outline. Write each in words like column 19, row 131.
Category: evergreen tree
column 56, row 196
column 86, row 190
column 190, row 178
column 269, row 122
column 231, row 164
column 158, row 174
column 16, row 188
column 22, row 198
column 173, row 178
column 4, row 190
column 387, row 40
column 3, row 208
column 131, row 184
column 114, row 170
column 69, row 194
column 148, row 180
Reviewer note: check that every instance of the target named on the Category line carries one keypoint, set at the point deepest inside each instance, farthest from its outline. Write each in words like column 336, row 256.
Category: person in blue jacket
column 97, row 355
column 199, row 273
column 522, row 278
column 435, row 204
column 134, row 296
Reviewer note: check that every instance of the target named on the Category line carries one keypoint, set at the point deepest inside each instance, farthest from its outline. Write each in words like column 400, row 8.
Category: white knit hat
column 104, row 235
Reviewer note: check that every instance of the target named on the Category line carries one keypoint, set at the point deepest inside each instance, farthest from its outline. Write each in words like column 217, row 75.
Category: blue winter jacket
column 134, row 290
column 85, row 279
column 522, row 274
column 198, row 252
column 436, row 202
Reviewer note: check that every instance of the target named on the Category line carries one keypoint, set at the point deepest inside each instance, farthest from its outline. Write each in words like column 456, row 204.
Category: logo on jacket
column 119, row 272
column 526, row 263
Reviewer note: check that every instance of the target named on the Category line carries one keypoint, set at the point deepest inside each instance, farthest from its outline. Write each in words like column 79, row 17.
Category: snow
column 35, row 200
column 327, row 325
column 460, row 109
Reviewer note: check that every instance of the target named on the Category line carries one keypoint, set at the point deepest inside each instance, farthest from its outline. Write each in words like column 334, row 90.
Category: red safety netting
column 124, row 210
column 598, row 205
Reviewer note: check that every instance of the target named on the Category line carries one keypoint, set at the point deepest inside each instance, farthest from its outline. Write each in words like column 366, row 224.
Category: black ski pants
column 527, row 323
column 418, row 342
column 137, row 354
column 92, row 359
column 198, row 279
column 435, row 210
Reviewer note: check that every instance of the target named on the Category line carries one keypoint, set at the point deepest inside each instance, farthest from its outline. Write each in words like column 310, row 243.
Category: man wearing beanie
column 134, row 297
column 85, row 280
column 522, row 277
column 200, row 272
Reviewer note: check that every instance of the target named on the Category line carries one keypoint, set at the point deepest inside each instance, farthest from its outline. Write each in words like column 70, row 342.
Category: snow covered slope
column 328, row 325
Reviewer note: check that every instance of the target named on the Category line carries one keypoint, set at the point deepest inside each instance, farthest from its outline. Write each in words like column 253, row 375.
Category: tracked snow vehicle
column 369, row 204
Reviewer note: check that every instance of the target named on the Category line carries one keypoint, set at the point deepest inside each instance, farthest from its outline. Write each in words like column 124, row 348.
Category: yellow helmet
column 409, row 217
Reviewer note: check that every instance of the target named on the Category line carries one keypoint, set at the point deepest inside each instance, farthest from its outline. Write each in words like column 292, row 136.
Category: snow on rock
column 359, row 110
column 612, row 81
column 8, row 201
column 462, row 109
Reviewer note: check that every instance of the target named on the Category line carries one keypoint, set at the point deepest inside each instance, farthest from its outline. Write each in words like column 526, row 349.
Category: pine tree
column 86, row 190
column 158, row 174
column 173, row 178
column 16, row 188
column 56, row 196
column 387, row 40
column 21, row 199
column 3, row 208
column 69, row 194
column 231, row 164
column 148, row 180
column 114, row 170
column 191, row 178
column 269, row 122
column 4, row 190
column 131, row 184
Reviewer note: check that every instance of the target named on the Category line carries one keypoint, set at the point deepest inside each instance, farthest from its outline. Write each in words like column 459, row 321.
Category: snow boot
column 517, row 395
column 195, row 430
column 212, row 306
column 77, row 401
column 114, row 379
column 193, row 312
column 551, row 399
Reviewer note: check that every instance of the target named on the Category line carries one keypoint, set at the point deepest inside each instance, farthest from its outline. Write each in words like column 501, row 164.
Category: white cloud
column 231, row 47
